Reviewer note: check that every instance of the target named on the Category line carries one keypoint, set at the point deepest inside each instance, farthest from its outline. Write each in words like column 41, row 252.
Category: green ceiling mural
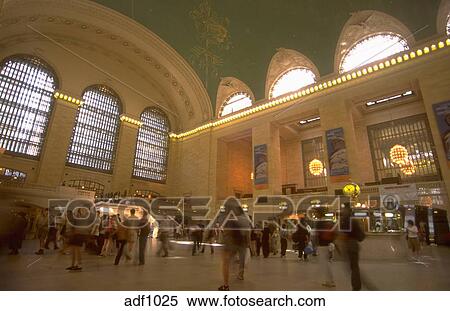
column 243, row 35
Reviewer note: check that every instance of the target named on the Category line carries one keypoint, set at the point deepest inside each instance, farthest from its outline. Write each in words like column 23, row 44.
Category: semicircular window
column 236, row 102
column 152, row 147
column 26, row 100
column 292, row 80
column 94, row 137
column 373, row 48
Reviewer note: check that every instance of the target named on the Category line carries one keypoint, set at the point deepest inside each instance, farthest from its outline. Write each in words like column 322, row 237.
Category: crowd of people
column 109, row 235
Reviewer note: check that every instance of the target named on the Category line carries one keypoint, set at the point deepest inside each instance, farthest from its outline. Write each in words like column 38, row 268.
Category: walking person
column 212, row 235
column 164, row 230
column 110, row 233
column 78, row 231
column 132, row 223
column 283, row 240
column 19, row 227
column 265, row 242
column 236, row 242
column 196, row 236
column 122, row 239
column 275, row 241
column 143, row 237
column 42, row 230
column 412, row 235
column 51, row 236
column 301, row 238
column 258, row 240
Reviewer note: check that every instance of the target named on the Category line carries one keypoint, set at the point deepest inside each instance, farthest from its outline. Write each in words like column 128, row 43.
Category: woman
column 413, row 239
column 78, row 234
column 110, row 229
column 42, row 230
column 275, row 241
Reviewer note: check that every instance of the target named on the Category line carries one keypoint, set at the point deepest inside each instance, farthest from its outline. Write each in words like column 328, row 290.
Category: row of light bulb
column 320, row 87
column 124, row 118
column 69, row 99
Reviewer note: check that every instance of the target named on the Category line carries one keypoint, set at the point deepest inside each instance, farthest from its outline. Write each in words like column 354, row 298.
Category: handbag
column 308, row 249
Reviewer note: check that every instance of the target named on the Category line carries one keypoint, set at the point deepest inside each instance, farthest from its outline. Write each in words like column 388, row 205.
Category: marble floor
column 181, row 271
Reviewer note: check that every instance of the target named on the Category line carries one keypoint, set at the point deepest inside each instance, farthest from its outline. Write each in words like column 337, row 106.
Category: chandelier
column 316, row 167
column 398, row 154
column 408, row 168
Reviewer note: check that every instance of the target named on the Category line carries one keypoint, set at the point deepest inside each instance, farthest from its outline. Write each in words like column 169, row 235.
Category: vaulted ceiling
column 258, row 27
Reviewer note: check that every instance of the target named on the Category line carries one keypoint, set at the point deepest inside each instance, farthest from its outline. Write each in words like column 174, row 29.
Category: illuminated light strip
column 307, row 121
column 68, row 99
column 390, row 98
column 129, row 120
column 320, row 86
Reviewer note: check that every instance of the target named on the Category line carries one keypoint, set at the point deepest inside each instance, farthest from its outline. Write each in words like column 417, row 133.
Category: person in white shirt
column 413, row 239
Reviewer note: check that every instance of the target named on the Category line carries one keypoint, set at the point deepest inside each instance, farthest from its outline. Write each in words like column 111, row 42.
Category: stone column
column 335, row 115
column 54, row 153
column 436, row 89
column 269, row 134
column 124, row 161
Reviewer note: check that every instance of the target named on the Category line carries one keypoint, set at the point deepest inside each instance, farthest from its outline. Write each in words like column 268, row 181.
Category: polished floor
column 181, row 271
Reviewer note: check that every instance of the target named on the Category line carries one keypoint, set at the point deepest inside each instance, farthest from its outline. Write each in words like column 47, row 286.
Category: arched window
column 236, row 102
column 371, row 49
column 94, row 137
column 26, row 99
column 150, row 161
column 292, row 80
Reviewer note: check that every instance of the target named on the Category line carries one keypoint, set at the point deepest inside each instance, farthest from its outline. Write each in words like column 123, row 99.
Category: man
column 143, row 236
column 18, row 232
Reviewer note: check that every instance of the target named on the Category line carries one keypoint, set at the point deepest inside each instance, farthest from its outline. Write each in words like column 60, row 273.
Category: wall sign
column 442, row 112
column 261, row 178
column 337, row 155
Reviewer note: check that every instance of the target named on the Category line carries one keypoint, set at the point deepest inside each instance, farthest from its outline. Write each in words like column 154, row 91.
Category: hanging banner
column 261, row 167
column 442, row 112
column 337, row 155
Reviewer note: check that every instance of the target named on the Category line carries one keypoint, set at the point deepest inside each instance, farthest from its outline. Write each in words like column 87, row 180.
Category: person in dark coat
column 18, row 232
column 266, row 242
column 143, row 236
column 301, row 238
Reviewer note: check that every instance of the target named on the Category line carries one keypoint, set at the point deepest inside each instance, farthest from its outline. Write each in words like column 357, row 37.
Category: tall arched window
column 292, row 80
column 236, row 102
column 94, row 137
column 27, row 85
column 371, row 49
column 150, row 161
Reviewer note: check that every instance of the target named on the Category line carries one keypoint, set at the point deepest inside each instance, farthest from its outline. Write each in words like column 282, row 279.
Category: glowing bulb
column 441, row 44
column 419, row 52
column 412, row 55
column 426, row 50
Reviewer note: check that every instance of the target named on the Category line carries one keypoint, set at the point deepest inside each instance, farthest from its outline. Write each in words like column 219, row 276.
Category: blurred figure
column 265, row 242
column 164, row 230
column 258, row 240
column 122, row 239
column 196, row 236
column 212, row 236
column 283, row 240
column 132, row 223
column 236, row 242
column 78, row 228
column 42, row 230
column 351, row 235
column 275, row 241
column 110, row 231
column 412, row 235
column 301, row 237
column 19, row 226
column 143, row 236
column 51, row 236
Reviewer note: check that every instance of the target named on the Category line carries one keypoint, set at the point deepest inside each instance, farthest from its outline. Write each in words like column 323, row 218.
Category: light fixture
column 252, row 176
column 310, row 120
column 283, row 206
column 408, row 168
column 245, row 207
column 315, row 167
column 67, row 98
column 130, row 120
column 390, row 98
column 398, row 154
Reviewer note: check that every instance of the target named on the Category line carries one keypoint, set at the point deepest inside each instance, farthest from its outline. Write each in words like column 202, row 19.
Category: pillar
column 54, row 153
column 123, row 164
column 269, row 135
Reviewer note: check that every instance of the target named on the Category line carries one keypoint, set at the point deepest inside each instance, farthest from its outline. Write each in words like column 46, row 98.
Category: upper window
column 371, row 49
column 235, row 102
column 94, row 137
column 292, row 80
column 150, row 161
column 26, row 98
